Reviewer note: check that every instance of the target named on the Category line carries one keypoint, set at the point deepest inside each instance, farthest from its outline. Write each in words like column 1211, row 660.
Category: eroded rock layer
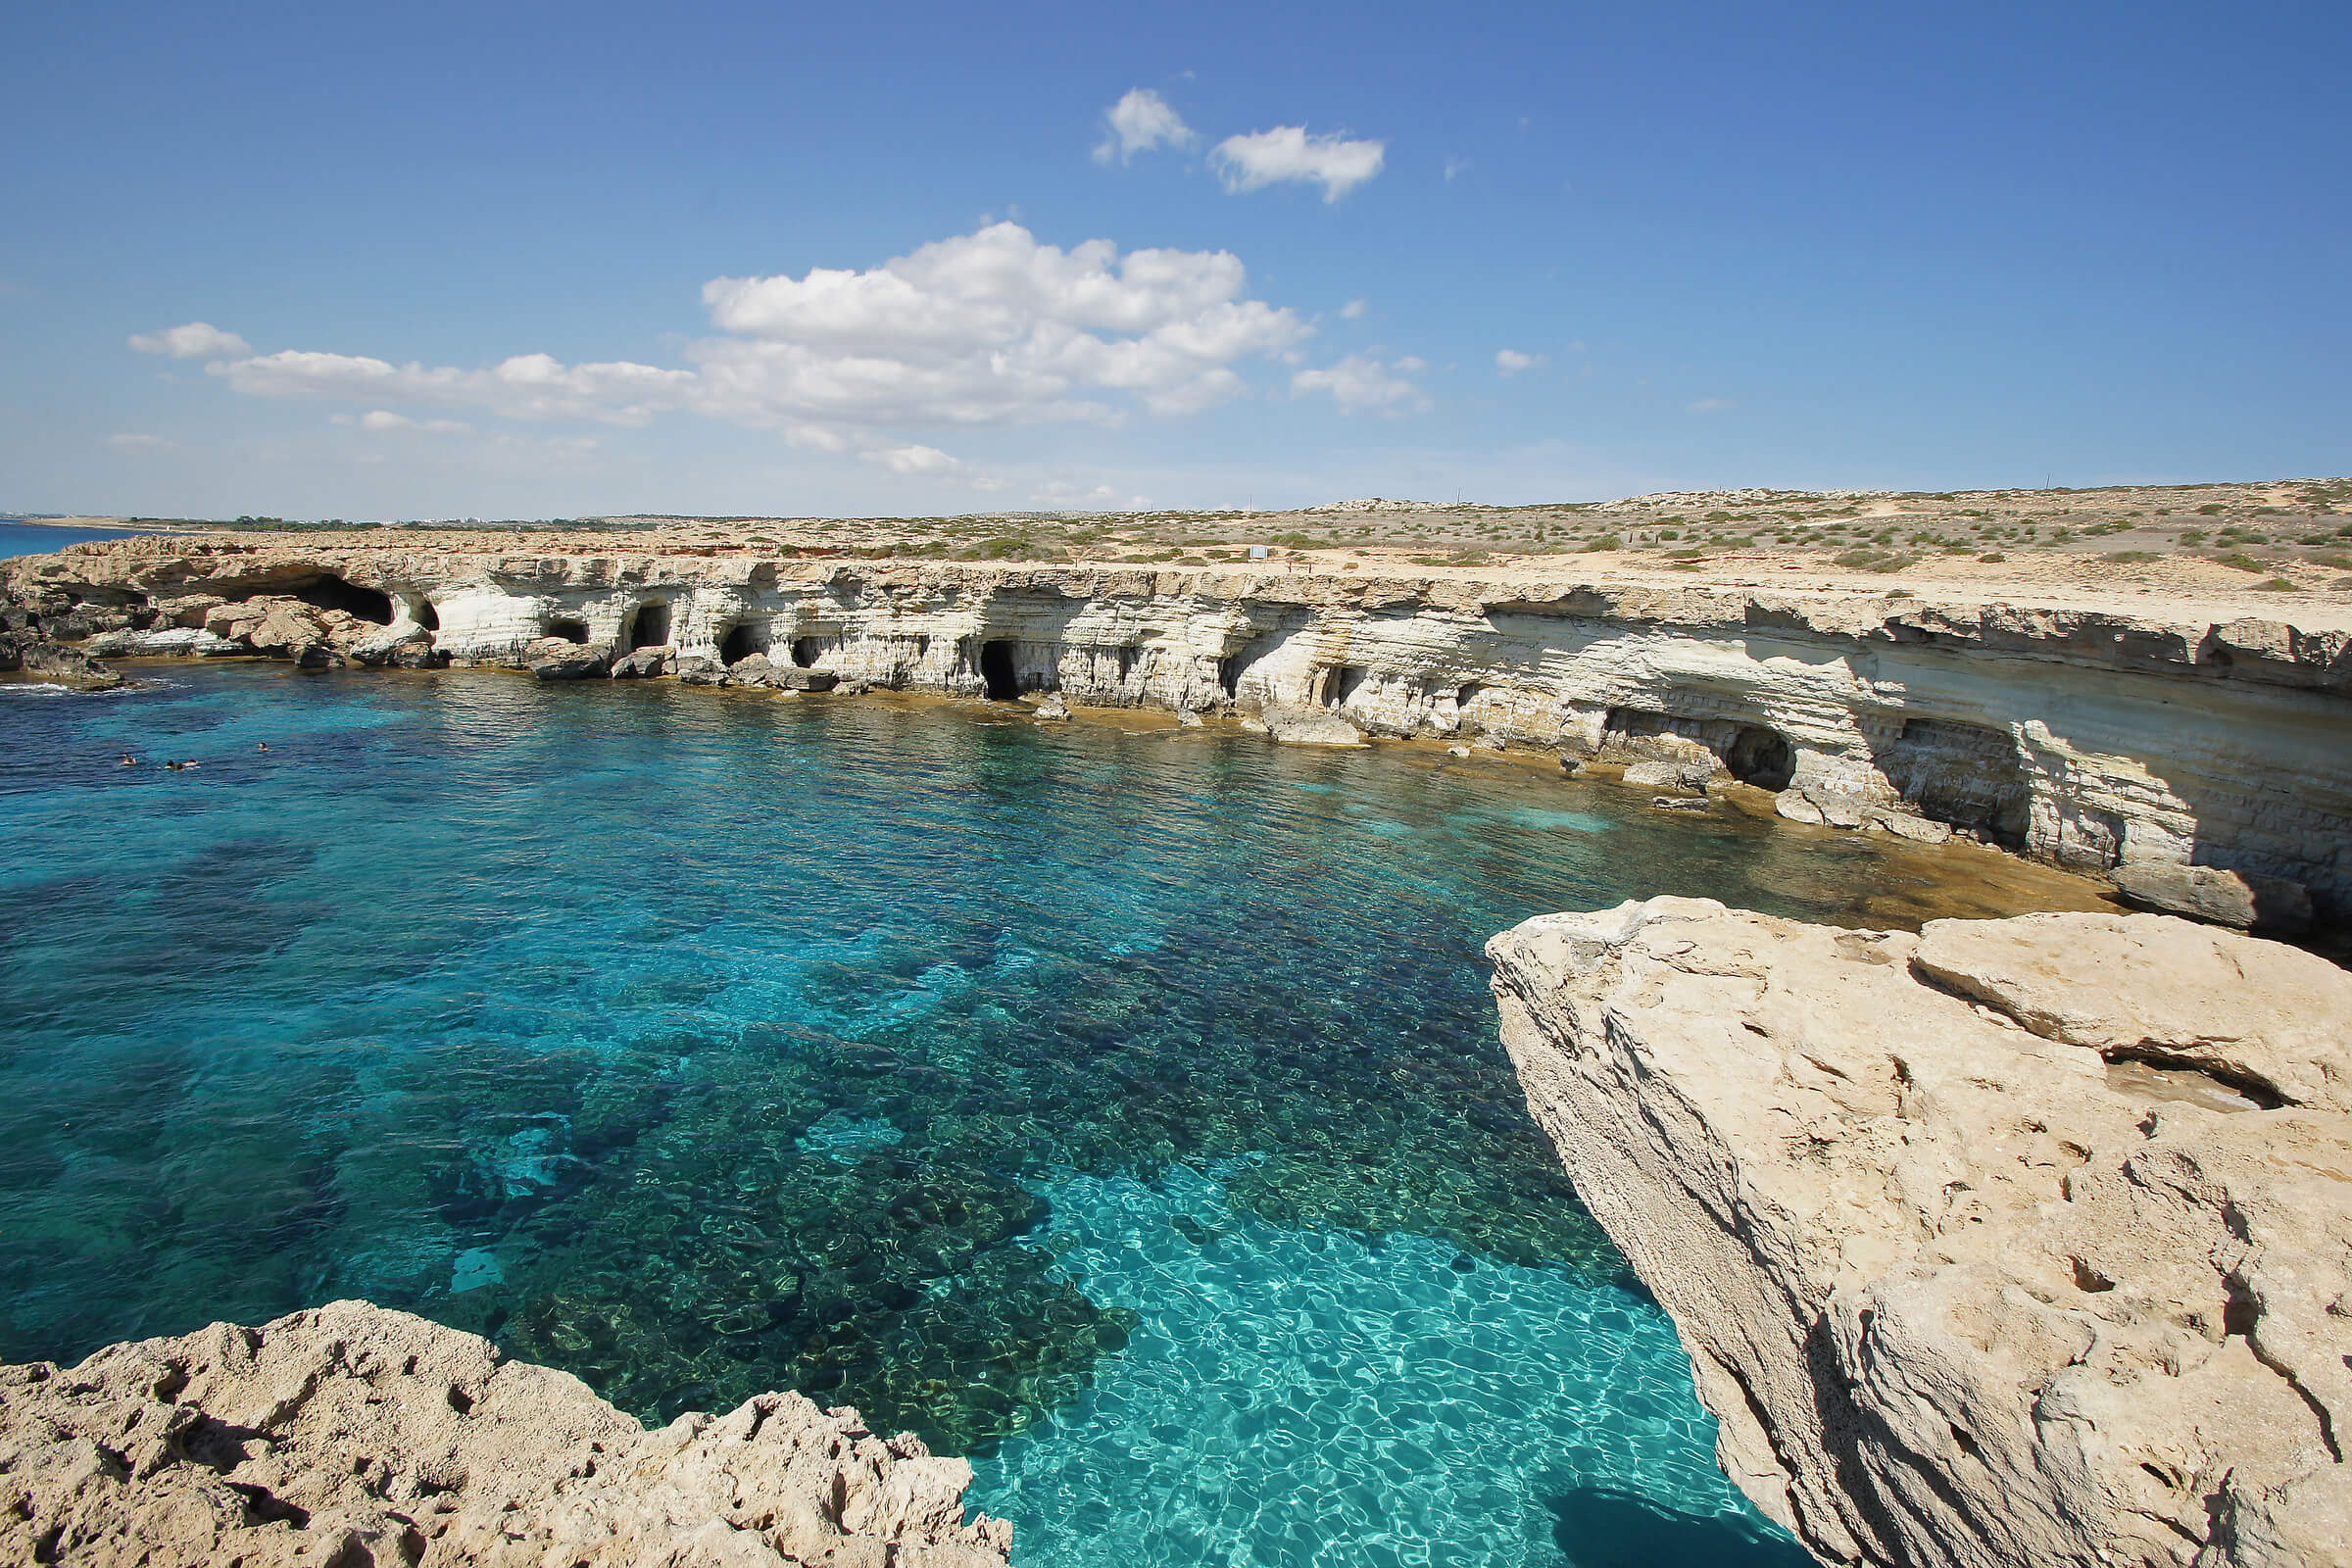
column 2014, row 1242
column 2093, row 740
column 355, row 1435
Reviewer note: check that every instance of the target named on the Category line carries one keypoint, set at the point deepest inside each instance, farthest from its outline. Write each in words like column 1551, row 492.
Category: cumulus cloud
column 198, row 340
column 1510, row 361
column 1287, row 153
column 911, row 459
column 379, row 420
column 1411, row 365
column 992, row 327
column 1353, row 309
column 1358, row 382
column 1712, row 405
column 1138, row 123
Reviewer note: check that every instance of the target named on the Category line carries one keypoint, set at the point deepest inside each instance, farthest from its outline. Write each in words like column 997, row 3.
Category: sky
column 524, row 261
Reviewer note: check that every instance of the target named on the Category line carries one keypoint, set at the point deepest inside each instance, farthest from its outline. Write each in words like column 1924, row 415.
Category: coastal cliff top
column 2279, row 551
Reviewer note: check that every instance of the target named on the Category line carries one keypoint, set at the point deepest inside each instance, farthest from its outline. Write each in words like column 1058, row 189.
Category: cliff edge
column 2013, row 1241
column 355, row 1435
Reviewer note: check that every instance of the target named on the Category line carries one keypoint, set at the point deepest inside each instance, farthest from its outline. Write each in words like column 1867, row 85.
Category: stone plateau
column 353, row 1434
column 2014, row 1242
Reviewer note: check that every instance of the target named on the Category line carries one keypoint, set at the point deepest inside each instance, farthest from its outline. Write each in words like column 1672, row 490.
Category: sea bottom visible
column 1115, row 1103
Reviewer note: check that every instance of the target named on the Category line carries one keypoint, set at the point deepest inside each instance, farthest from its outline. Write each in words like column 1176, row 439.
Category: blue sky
column 499, row 260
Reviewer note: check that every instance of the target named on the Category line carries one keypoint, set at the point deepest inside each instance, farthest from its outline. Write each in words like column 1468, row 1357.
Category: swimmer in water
column 191, row 763
column 264, row 746
column 175, row 767
column 129, row 760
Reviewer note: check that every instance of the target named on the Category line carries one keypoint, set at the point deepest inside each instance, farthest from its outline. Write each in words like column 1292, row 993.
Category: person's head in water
column 262, row 745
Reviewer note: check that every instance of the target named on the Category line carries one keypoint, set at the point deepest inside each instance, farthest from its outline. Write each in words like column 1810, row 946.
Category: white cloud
column 991, row 327
column 1353, row 309
column 1138, row 123
column 1712, row 405
column 379, row 420
column 526, row 386
column 1357, row 384
column 1287, row 153
column 1510, row 361
column 911, row 459
column 198, row 340
column 1411, row 365
column 131, row 442
column 1456, row 167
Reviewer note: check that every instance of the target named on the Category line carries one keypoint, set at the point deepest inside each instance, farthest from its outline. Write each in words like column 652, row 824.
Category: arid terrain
column 2229, row 550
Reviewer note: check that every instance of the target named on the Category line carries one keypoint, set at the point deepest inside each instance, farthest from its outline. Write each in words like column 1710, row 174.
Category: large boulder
column 2241, row 899
column 31, row 653
column 794, row 679
column 355, row 1434
column 641, row 663
column 559, row 658
column 387, row 645
column 2018, row 1241
column 1308, row 726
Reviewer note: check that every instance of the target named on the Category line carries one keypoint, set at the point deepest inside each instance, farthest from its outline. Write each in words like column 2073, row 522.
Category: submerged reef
column 2094, row 739
column 351, row 1434
column 2012, row 1241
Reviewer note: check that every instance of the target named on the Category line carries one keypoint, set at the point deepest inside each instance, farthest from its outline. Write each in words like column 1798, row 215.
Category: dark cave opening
column 997, row 668
column 328, row 591
column 1762, row 756
column 649, row 628
column 426, row 616
column 572, row 631
column 740, row 644
column 804, row 651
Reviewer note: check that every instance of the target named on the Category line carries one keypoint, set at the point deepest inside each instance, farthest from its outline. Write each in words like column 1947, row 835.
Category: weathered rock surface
column 2016, row 1241
column 1308, row 726
column 1051, row 709
column 559, row 658
column 2244, row 901
column 355, row 1434
column 2093, row 739
column 29, row 650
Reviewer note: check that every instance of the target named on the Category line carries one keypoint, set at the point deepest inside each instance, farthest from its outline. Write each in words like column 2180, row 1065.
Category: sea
column 1116, row 1104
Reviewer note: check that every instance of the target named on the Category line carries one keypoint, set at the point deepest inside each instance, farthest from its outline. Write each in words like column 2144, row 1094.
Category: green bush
column 2278, row 585
column 1601, row 541
column 2133, row 556
column 2242, row 561
column 1875, row 561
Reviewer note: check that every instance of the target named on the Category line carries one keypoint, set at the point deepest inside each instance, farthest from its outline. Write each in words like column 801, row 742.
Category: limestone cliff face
column 2015, row 1242
column 2091, row 740
column 356, row 1435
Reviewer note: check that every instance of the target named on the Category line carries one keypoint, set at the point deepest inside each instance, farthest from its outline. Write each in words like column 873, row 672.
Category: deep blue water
column 35, row 539
column 1121, row 1108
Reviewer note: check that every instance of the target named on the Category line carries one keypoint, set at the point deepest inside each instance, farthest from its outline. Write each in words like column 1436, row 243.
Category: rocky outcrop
column 36, row 656
column 2094, row 740
column 355, row 1434
column 2014, row 1242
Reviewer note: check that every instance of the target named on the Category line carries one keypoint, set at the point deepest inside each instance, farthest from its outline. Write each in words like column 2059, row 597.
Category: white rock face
column 2088, row 739
column 2015, row 1242
column 355, row 1434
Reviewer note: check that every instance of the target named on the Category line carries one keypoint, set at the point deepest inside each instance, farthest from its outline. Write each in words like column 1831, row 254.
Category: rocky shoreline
column 2020, row 1240
column 352, row 1433
column 2201, row 765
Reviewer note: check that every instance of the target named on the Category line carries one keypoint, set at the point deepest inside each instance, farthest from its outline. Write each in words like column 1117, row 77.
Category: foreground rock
column 355, row 1435
column 2015, row 1242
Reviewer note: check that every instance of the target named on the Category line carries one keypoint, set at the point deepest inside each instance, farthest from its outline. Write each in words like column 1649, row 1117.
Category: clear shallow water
column 1122, row 1110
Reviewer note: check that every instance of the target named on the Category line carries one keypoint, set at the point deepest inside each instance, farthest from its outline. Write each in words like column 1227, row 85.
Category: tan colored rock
column 1975, row 1262
column 352, row 1433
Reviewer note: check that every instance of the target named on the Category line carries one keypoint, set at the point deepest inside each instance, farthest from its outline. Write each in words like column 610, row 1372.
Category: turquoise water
column 1123, row 1109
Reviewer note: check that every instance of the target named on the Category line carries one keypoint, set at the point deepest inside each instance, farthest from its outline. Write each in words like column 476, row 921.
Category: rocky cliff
column 354, row 1435
column 2093, row 740
column 2013, row 1241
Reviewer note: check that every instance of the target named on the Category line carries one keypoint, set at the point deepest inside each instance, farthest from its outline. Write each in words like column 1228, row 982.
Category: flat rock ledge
column 354, row 1435
column 2013, row 1241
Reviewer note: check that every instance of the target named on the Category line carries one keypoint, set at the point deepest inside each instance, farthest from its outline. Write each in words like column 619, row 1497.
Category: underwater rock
column 355, row 1434
column 1677, row 802
column 1670, row 775
column 2013, row 1241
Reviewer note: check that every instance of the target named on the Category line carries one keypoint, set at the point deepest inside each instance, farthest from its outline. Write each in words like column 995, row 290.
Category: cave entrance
column 425, row 615
column 740, row 644
column 572, row 631
column 1344, row 683
column 997, row 668
column 329, row 592
column 804, row 651
column 1762, row 756
column 651, row 627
